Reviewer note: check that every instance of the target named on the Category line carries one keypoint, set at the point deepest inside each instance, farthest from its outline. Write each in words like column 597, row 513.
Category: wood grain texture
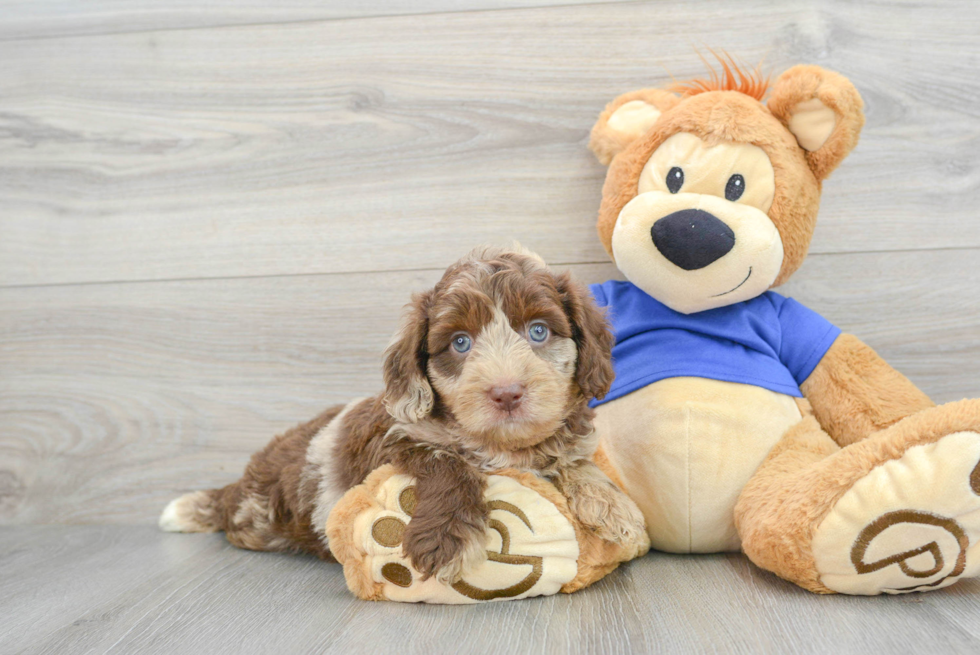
column 32, row 19
column 385, row 143
column 211, row 213
column 127, row 590
column 114, row 398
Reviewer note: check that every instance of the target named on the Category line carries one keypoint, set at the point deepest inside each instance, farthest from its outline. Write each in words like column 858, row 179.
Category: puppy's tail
column 198, row 511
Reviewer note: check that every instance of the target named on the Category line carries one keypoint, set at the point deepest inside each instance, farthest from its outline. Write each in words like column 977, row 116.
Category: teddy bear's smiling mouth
column 718, row 295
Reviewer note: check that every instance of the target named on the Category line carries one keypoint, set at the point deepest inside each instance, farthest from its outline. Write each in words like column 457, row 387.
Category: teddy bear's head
column 711, row 196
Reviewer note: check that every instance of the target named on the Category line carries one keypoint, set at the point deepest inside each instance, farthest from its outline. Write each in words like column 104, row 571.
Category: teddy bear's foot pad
column 911, row 524
column 532, row 548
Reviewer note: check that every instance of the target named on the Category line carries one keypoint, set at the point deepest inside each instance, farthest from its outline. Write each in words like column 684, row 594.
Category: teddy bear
column 739, row 418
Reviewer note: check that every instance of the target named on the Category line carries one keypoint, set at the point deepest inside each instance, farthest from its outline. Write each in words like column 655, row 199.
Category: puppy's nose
column 692, row 238
column 507, row 397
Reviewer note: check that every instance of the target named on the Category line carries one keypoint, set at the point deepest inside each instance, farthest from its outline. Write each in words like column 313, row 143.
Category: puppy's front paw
column 447, row 551
column 608, row 512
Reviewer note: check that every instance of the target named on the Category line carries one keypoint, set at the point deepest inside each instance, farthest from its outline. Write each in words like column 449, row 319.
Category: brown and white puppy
column 491, row 369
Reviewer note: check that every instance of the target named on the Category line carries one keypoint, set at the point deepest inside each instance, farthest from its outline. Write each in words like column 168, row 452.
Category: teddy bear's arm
column 855, row 393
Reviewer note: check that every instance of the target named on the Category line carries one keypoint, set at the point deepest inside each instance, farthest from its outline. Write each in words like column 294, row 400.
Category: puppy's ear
column 590, row 330
column 408, row 394
column 627, row 118
column 823, row 110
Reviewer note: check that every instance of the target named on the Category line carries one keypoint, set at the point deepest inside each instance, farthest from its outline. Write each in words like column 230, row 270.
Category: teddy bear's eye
column 675, row 179
column 735, row 187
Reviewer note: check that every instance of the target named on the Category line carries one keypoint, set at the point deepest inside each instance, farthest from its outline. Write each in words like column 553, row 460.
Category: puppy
column 491, row 369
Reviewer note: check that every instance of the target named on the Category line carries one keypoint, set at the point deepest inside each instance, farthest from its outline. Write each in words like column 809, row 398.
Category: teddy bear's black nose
column 692, row 238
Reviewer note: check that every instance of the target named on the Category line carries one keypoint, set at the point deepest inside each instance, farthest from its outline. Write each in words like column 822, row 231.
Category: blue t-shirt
column 769, row 341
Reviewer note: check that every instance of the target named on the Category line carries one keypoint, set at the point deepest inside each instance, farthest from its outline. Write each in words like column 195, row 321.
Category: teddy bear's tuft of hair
column 733, row 77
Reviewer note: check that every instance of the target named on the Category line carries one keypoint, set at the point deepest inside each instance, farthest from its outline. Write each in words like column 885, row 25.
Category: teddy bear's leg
column 896, row 512
column 773, row 538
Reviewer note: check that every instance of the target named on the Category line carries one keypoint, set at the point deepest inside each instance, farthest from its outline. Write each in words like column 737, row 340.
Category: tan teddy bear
column 740, row 418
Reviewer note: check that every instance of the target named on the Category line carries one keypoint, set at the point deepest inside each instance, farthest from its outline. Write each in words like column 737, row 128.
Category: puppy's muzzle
column 692, row 238
column 507, row 397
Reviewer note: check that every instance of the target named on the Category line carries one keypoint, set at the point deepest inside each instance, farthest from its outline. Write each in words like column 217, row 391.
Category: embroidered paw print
column 388, row 531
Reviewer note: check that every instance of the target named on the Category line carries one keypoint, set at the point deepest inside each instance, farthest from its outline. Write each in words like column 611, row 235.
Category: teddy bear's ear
column 627, row 117
column 823, row 110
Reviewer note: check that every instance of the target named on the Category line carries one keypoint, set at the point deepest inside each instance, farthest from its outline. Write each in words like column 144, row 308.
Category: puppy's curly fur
column 492, row 368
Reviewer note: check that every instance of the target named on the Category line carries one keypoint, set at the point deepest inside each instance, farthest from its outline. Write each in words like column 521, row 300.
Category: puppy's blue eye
column 538, row 332
column 461, row 343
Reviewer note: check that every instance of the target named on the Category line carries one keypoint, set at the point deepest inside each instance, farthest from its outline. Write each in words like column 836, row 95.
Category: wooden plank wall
column 211, row 215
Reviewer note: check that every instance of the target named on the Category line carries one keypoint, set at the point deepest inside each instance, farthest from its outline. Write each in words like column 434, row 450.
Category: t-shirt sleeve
column 806, row 338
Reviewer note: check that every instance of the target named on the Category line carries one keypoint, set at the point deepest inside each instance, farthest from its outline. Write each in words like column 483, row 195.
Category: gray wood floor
column 211, row 213
column 135, row 590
